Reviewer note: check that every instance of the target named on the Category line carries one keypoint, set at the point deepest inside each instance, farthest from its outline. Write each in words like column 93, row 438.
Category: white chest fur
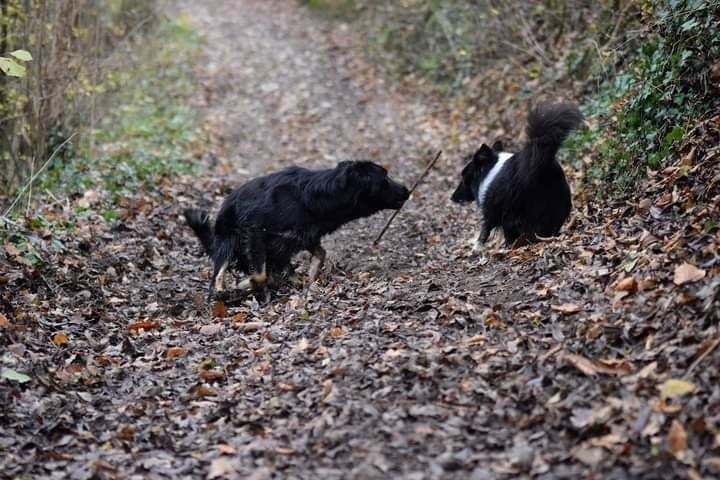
column 490, row 177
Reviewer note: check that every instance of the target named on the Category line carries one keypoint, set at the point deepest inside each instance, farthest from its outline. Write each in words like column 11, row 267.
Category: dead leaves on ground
column 687, row 273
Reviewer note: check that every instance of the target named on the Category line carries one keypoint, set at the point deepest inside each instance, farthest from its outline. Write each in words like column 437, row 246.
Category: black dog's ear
column 498, row 146
column 483, row 153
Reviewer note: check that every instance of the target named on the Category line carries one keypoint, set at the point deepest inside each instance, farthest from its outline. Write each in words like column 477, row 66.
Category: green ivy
column 647, row 111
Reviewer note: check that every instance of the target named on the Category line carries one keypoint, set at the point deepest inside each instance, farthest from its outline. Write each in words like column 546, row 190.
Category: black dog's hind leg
column 257, row 255
column 316, row 263
column 217, row 282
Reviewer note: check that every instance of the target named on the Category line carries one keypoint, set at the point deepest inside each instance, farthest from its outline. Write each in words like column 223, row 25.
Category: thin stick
column 707, row 352
column 32, row 179
column 417, row 182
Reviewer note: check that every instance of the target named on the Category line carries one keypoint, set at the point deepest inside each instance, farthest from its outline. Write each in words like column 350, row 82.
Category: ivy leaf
column 23, row 55
column 11, row 68
column 14, row 375
column 689, row 25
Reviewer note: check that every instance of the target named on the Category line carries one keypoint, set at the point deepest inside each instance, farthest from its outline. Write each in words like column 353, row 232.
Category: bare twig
column 707, row 352
column 36, row 174
column 417, row 182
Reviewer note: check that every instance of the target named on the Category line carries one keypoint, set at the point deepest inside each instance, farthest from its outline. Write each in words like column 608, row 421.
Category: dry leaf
column 219, row 310
column 475, row 340
column 144, row 325
column 676, row 388
column 582, row 364
column 687, row 273
column 60, row 339
column 203, row 391
column 338, row 331
column 627, row 284
column 222, row 467
column 4, row 322
column 210, row 330
column 212, row 375
column 582, row 417
column 567, row 308
column 174, row 352
column 240, row 317
column 677, row 439
column 301, row 346
column 12, row 250
column 225, row 448
column 614, row 366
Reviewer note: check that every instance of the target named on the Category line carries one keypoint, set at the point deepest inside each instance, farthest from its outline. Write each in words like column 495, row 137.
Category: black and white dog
column 262, row 224
column 525, row 193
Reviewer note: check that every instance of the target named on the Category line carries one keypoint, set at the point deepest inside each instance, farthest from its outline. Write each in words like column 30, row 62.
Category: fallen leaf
column 212, row 375
column 712, row 464
column 222, row 467
column 225, row 448
column 687, row 273
column 567, row 308
column 676, row 388
column 627, row 284
column 144, row 325
column 210, row 330
column 219, row 310
column 614, row 366
column 240, row 317
column 475, row 340
column 301, row 346
column 60, row 339
column 203, row 391
column 174, row 352
column 4, row 322
column 12, row 250
column 338, row 331
column 589, row 456
column 285, row 450
column 15, row 376
column 581, row 363
column 677, row 439
column 582, row 417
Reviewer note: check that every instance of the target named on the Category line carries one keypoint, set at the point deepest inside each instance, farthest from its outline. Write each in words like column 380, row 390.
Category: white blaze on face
column 487, row 181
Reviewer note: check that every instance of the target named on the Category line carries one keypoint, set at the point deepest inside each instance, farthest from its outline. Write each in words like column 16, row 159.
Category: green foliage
column 151, row 131
column 339, row 8
column 61, row 90
column 647, row 110
column 11, row 67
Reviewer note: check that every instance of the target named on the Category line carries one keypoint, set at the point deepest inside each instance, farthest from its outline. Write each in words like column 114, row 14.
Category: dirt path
column 406, row 361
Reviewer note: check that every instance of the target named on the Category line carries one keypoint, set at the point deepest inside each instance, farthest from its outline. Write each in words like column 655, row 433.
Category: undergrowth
column 639, row 68
column 643, row 114
column 150, row 130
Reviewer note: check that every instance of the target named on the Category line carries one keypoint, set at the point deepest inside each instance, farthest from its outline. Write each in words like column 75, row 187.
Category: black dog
column 262, row 224
column 524, row 193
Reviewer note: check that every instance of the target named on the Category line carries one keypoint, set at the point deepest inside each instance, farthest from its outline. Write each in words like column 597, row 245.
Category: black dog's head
column 474, row 172
column 375, row 189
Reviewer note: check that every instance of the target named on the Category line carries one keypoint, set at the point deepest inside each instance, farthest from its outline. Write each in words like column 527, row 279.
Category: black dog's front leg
column 217, row 282
column 257, row 255
column 482, row 237
column 316, row 263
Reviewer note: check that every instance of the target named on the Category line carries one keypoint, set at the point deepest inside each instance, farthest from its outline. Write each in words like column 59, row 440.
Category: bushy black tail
column 548, row 127
column 199, row 221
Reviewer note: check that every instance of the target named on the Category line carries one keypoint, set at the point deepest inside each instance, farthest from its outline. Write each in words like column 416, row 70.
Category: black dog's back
column 530, row 196
column 263, row 223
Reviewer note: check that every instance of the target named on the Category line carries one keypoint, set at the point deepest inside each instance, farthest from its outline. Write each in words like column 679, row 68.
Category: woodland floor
column 593, row 355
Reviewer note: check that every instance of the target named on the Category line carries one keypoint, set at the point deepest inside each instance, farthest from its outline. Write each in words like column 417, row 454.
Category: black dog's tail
column 199, row 221
column 547, row 128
